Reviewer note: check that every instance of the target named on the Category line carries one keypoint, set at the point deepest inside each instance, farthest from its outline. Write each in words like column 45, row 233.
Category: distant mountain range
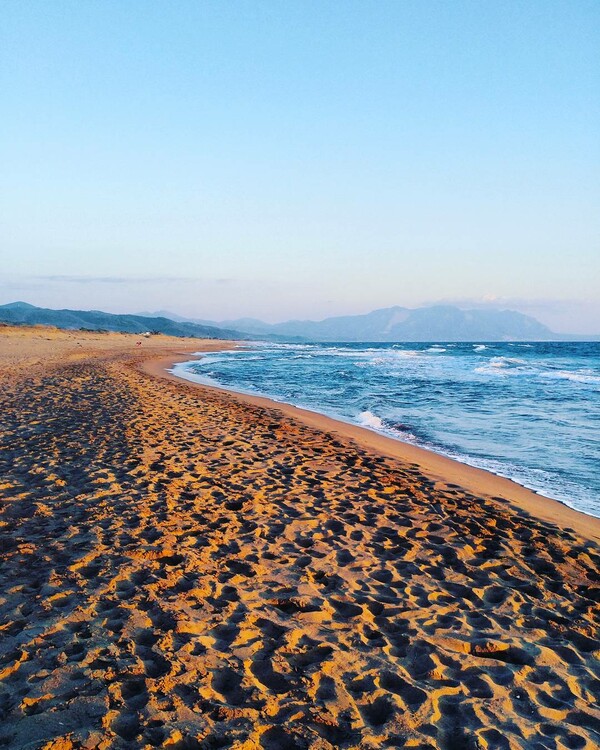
column 437, row 323
column 95, row 320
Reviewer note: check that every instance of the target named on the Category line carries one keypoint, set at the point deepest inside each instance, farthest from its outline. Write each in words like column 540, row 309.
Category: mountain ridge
column 437, row 323
column 396, row 323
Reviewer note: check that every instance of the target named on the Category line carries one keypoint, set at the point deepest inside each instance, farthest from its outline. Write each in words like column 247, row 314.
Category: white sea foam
column 506, row 366
column 578, row 377
column 270, row 345
column 436, row 349
column 368, row 419
column 511, row 366
column 479, row 347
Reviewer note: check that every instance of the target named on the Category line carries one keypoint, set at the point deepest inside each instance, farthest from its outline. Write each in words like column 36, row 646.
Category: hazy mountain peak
column 19, row 306
column 432, row 323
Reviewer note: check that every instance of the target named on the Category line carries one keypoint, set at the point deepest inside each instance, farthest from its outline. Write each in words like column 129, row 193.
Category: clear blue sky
column 301, row 159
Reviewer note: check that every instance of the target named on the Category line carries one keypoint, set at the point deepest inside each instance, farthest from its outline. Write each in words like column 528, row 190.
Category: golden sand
column 185, row 568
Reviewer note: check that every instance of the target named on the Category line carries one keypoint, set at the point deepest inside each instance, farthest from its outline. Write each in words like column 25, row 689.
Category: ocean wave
column 345, row 353
column 578, row 377
column 270, row 345
column 368, row 419
column 399, row 349
column 506, row 366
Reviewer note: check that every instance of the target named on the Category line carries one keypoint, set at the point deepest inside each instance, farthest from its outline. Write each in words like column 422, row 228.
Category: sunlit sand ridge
column 183, row 569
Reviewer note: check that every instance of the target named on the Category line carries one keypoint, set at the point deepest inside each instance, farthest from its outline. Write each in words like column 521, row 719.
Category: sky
column 301, row 159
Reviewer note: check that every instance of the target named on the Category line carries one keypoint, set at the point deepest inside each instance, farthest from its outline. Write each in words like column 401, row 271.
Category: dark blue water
column 530, row 412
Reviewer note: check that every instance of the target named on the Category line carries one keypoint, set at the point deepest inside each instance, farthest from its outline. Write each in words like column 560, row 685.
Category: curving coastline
column 529, row 417
column 435, row 465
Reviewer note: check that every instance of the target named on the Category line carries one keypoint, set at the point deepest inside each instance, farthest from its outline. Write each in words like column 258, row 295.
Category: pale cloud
column 119, row 279
column 37, row 281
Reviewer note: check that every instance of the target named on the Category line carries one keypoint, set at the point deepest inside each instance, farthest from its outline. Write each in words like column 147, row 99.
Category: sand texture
column 183, row 569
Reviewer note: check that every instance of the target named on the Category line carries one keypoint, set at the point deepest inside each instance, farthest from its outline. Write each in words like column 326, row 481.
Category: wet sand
column 184, row 568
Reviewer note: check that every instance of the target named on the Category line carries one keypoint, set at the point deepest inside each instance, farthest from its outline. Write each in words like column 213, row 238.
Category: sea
column 526, row 411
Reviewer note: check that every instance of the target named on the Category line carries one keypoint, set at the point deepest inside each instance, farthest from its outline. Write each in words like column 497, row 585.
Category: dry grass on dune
column 182, row 570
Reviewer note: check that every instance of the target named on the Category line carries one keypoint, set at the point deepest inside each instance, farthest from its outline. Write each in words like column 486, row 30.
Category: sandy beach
column 183, row 567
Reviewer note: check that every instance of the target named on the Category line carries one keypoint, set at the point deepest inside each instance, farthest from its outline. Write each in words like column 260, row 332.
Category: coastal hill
column 96, row 320
column 436, row 323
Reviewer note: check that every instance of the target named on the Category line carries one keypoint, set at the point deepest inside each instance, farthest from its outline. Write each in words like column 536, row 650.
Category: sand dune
column 183, row 569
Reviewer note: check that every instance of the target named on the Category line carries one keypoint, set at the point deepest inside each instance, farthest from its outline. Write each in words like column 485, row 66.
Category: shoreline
column 438, row 467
